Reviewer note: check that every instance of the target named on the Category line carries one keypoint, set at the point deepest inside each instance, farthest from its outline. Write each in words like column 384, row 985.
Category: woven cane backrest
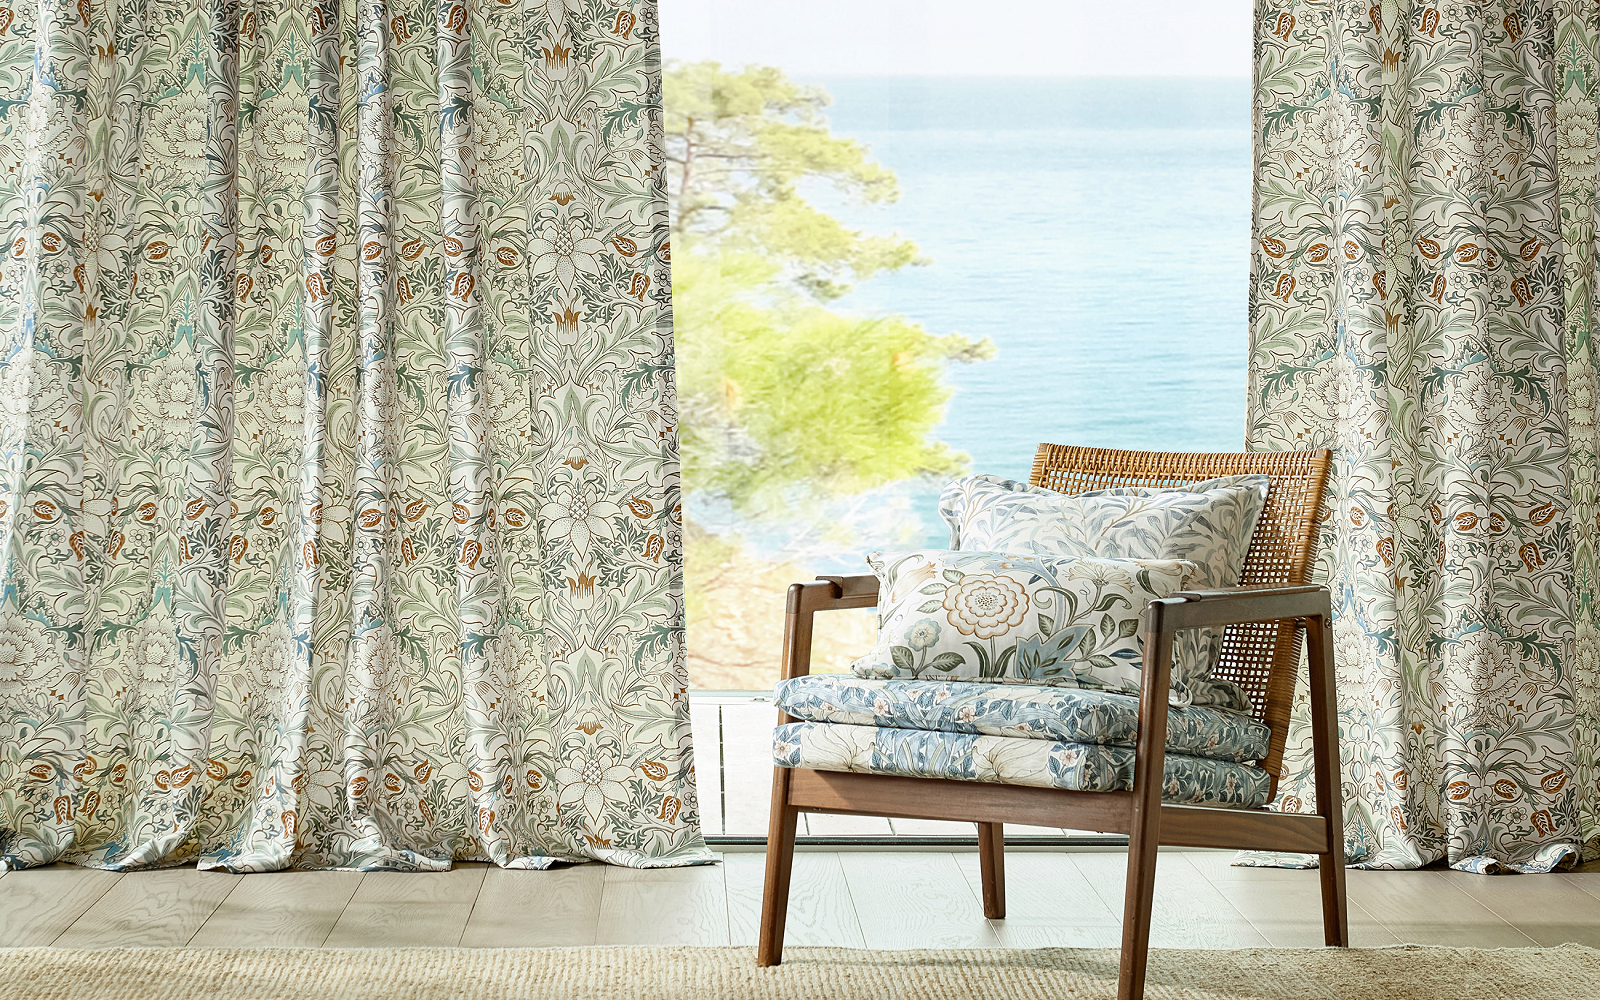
column 1260, row 657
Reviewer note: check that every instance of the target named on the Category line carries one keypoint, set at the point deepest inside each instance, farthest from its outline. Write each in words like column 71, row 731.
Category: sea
column 1096, row 230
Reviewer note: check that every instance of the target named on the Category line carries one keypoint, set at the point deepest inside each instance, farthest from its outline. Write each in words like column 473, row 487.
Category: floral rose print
column 1208, row 523
column 985, row 605
column 1016, row 619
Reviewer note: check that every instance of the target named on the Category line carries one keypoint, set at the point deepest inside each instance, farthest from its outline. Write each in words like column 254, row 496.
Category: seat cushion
column 1072, row 715
column 1084, row 767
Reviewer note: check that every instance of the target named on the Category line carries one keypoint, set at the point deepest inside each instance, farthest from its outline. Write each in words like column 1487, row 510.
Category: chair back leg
column 780, row 863
column 992, row 865
column 1325, row 759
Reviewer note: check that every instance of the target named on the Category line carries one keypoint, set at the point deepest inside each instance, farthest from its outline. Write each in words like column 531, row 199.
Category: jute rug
column 1409, row 973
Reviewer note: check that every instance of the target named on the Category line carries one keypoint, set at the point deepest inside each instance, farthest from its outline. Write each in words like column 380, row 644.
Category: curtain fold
column 340, row 510
column 1422, row 302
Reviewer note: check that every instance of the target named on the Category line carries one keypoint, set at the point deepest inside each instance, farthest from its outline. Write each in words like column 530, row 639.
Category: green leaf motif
column 947, row 661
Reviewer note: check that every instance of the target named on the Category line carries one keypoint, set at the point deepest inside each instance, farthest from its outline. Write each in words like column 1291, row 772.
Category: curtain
column 340, row 510
column 1423, row 303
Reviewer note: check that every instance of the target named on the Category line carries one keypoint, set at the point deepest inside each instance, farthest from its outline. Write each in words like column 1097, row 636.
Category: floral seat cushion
column 1071, row 715
column 1084, row 767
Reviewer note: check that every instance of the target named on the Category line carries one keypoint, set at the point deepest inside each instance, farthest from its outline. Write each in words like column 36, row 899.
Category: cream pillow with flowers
column 1025, row 619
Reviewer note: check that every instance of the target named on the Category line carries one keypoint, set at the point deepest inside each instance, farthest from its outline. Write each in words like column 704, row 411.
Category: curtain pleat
column 341, row 515
column 1422, row 302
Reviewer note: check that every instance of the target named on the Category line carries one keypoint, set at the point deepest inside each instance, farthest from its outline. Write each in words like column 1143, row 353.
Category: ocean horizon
column 1097, row 230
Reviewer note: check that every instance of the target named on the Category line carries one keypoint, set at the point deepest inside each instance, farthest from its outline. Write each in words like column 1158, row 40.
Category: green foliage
column 776, row 395
column 739, row 145
column 784, row 400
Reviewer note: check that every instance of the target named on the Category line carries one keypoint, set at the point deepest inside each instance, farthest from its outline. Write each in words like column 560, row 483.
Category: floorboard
column 915, row 900
column 150, row 909
column 664, row 906
column 821, row 912
column 1049, row 903
column 864, row 898
column 1187, row 912
column 1422, row 907
column 399, row 909
column 279, row 910
column 537, row 909
column 38, row 904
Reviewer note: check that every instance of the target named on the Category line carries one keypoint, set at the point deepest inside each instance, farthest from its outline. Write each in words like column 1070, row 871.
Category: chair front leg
column 1144, row 836
column 992, row 866
column 1325, row 755
column 780, row 864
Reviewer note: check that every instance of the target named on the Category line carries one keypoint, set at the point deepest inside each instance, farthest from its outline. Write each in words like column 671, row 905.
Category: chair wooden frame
column 1264, row 619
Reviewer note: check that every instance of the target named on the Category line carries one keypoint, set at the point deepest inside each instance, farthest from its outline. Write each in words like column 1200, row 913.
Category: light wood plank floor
column 874, row 899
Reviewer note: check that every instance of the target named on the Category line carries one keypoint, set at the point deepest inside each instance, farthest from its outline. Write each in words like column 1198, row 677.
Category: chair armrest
column 825, row 593
column 1236, row 605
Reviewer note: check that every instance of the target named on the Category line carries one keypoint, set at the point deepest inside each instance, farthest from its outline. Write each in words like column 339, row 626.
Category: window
column 914, row 239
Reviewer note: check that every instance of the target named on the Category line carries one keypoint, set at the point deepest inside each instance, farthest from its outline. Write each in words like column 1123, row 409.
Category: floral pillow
column 1024, row 619
column 1209, row 524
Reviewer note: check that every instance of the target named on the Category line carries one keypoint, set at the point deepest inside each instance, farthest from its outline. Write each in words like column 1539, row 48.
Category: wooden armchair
column 1265, row 618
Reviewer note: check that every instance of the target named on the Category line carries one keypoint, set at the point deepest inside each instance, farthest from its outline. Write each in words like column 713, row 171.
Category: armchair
column 1266, row 618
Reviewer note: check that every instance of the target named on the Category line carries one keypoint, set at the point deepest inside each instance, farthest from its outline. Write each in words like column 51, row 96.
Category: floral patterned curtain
column 340, row 501
column 1423, row 303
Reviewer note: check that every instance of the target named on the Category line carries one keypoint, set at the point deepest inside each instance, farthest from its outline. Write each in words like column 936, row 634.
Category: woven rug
column 1408, row 973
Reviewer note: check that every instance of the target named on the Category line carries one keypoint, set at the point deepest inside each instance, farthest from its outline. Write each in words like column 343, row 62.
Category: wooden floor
column 870, row 899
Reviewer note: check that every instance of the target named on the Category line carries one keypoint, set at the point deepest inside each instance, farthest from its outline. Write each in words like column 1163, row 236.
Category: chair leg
column 1137, row 904
column 780, row 864
column 1325, row 759
column 992, row 863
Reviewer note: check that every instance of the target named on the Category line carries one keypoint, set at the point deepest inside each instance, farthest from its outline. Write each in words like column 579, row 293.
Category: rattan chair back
column 1260, row 657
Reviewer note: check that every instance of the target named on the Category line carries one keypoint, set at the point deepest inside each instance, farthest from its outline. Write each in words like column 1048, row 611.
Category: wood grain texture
column 920, row 900
column 1549, row 911
column 1285, row 905
column 1421, row 907
column 676, row 906
column 38, row 904
column 537, row 909
column 295, row 909
column 821, row 912
column 1049, row 903
column 1187, row 910
column 150, row 909
column 400, row 925
column 458, row 885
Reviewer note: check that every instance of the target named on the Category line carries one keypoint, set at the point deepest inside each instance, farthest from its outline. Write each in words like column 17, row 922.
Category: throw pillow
column 1209, row 524
column 1024, row 619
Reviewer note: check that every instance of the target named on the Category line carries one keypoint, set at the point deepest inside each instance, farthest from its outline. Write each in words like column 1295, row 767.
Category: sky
column 945, row 38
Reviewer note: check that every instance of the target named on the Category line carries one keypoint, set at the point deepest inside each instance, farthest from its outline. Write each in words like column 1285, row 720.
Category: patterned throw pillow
column 1209, row 524
column 1015, row 619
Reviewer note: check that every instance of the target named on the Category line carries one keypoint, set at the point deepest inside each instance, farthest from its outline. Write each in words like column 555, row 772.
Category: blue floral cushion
column 1084, row 767
column 1074, row 715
